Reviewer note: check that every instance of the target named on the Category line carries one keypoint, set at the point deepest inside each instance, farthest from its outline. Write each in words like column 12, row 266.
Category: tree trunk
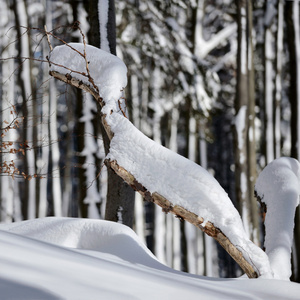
column 120, row 196
column 278, row 78
column 245, row 158
column 24, row 81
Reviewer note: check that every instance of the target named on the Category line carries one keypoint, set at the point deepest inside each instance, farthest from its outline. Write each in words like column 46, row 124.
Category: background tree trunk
column 292, row 21
column 245, row 157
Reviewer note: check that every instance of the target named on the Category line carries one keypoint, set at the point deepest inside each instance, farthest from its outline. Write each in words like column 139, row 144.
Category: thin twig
column 91, row 80
column 48, row 39
column 99, row 173
column 120, row 107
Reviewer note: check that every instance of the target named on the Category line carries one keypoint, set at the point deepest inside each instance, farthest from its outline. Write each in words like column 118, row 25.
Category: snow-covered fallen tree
column 171, row 181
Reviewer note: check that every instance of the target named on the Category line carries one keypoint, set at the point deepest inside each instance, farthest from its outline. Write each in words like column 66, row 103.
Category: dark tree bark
column 120, row 196
column 294, row 98
column 292, row 93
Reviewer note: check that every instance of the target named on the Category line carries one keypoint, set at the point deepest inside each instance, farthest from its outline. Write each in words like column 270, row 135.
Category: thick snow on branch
column 158, row 169
column 183, row 182
column 108, row 71
column 278, row 187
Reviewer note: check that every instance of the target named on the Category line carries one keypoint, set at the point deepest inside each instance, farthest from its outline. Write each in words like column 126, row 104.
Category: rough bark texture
column 158, row 199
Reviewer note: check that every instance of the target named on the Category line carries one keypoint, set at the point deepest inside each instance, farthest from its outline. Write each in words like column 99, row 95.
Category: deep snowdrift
column 65, row 258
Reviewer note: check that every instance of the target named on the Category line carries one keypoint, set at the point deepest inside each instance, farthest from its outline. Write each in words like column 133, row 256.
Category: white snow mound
column 86, row 234
column 278, row 186
column 38, row 261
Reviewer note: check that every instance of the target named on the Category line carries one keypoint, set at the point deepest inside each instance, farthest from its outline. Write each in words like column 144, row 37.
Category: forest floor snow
column 67, row 258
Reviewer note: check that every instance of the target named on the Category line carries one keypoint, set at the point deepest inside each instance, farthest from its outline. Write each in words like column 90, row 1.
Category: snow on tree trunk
column 103, row 6
column 106, row 15
column 56, row 186
column 90, row 148
column 278, row 186
column 139, row 217
column 91, row 197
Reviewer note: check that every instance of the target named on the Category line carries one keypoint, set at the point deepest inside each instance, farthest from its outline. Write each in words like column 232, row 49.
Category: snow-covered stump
column 173, row 182
column 278, row 187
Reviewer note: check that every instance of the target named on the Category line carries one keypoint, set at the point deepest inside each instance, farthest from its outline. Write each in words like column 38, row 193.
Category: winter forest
column 216, row 81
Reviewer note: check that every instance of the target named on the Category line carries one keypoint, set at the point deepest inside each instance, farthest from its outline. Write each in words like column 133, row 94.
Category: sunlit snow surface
column 65, row 258
column 278, row 187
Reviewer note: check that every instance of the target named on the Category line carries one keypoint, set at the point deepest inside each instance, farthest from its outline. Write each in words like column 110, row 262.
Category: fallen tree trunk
column 158, row 199
column 186, row 215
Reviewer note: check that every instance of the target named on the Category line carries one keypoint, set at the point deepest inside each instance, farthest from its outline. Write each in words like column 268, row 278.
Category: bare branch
column 48, row 39
column 67, row 78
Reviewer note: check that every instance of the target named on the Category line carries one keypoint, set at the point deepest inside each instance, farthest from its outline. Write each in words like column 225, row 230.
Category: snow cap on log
column 108, row 72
